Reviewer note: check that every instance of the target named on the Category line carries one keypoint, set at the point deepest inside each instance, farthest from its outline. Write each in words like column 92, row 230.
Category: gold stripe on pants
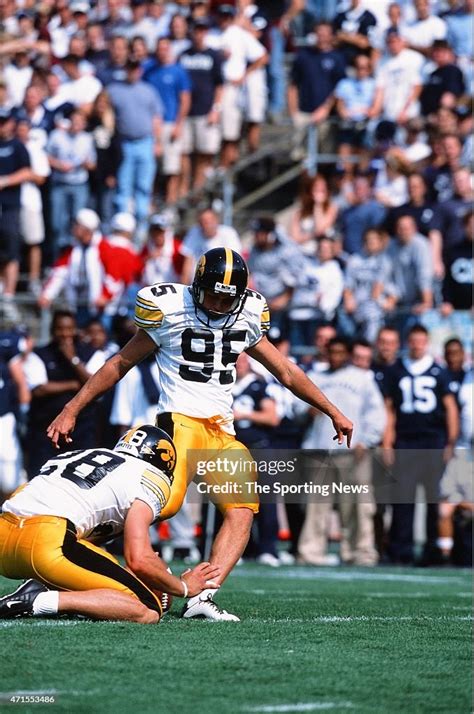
column 46, row 548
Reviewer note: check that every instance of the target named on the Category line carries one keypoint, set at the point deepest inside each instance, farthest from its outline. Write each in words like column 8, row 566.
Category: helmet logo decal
column 201, row 266
column 167, row 452
column 226, row 289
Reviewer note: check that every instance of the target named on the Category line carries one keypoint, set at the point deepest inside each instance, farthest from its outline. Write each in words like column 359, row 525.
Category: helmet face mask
column 220, row 272
column 150, row 444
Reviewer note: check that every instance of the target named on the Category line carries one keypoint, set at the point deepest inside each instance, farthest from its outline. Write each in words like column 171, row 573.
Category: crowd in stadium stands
column 113, row 110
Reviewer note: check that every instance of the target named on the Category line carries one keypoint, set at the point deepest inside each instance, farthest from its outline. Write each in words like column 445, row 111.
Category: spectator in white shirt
column 357, row 391
column 61, row 28
column 255, row 92
column 398, row 82
column 391, row 185
column 244, row 55
column 79, row 90
column 207, row 234
column 18, row 76
column 425, row 29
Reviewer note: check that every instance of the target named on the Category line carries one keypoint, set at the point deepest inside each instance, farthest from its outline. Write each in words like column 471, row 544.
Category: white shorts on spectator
column 172, row 151
column 201, row 137
column 232, row 114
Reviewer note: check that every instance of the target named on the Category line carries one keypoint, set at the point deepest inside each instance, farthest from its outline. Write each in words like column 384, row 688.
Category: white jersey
column 196, row 362
column 356, row 393
column 92, row 488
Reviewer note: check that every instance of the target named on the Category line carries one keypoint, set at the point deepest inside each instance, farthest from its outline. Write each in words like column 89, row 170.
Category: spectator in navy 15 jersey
column 420, row 437
column 173, row 85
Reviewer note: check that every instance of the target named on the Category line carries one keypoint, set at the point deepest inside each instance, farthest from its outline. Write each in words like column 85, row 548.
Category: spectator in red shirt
column 122, row 262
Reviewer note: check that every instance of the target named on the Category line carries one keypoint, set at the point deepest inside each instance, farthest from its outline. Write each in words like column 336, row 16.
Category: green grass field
column 311, row 639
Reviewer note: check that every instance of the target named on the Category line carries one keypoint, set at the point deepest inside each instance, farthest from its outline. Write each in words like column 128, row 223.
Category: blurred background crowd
column 128, row 129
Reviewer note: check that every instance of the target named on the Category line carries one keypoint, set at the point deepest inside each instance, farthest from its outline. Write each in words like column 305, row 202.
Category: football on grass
column 166, row 599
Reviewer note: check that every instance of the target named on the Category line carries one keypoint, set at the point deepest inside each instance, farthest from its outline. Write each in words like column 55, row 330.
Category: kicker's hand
column 343, row 427
column 61, row 428
column 201, row 577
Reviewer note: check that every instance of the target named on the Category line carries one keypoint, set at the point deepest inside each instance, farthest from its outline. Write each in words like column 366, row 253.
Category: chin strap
column 234, row 313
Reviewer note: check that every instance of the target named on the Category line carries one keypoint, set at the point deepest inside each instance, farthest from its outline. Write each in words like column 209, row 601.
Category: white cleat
column 205, row 608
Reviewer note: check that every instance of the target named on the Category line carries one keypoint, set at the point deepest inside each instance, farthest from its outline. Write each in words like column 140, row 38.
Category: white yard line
column 300, row 707
column 29, row 693
column 315, row 573
column 397, row 595
column 328, row 619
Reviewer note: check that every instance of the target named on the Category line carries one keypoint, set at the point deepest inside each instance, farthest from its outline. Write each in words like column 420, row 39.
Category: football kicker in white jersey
column 196, row 361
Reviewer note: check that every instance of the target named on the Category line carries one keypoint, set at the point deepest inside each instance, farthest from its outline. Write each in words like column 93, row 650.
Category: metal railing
column 225, row 184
